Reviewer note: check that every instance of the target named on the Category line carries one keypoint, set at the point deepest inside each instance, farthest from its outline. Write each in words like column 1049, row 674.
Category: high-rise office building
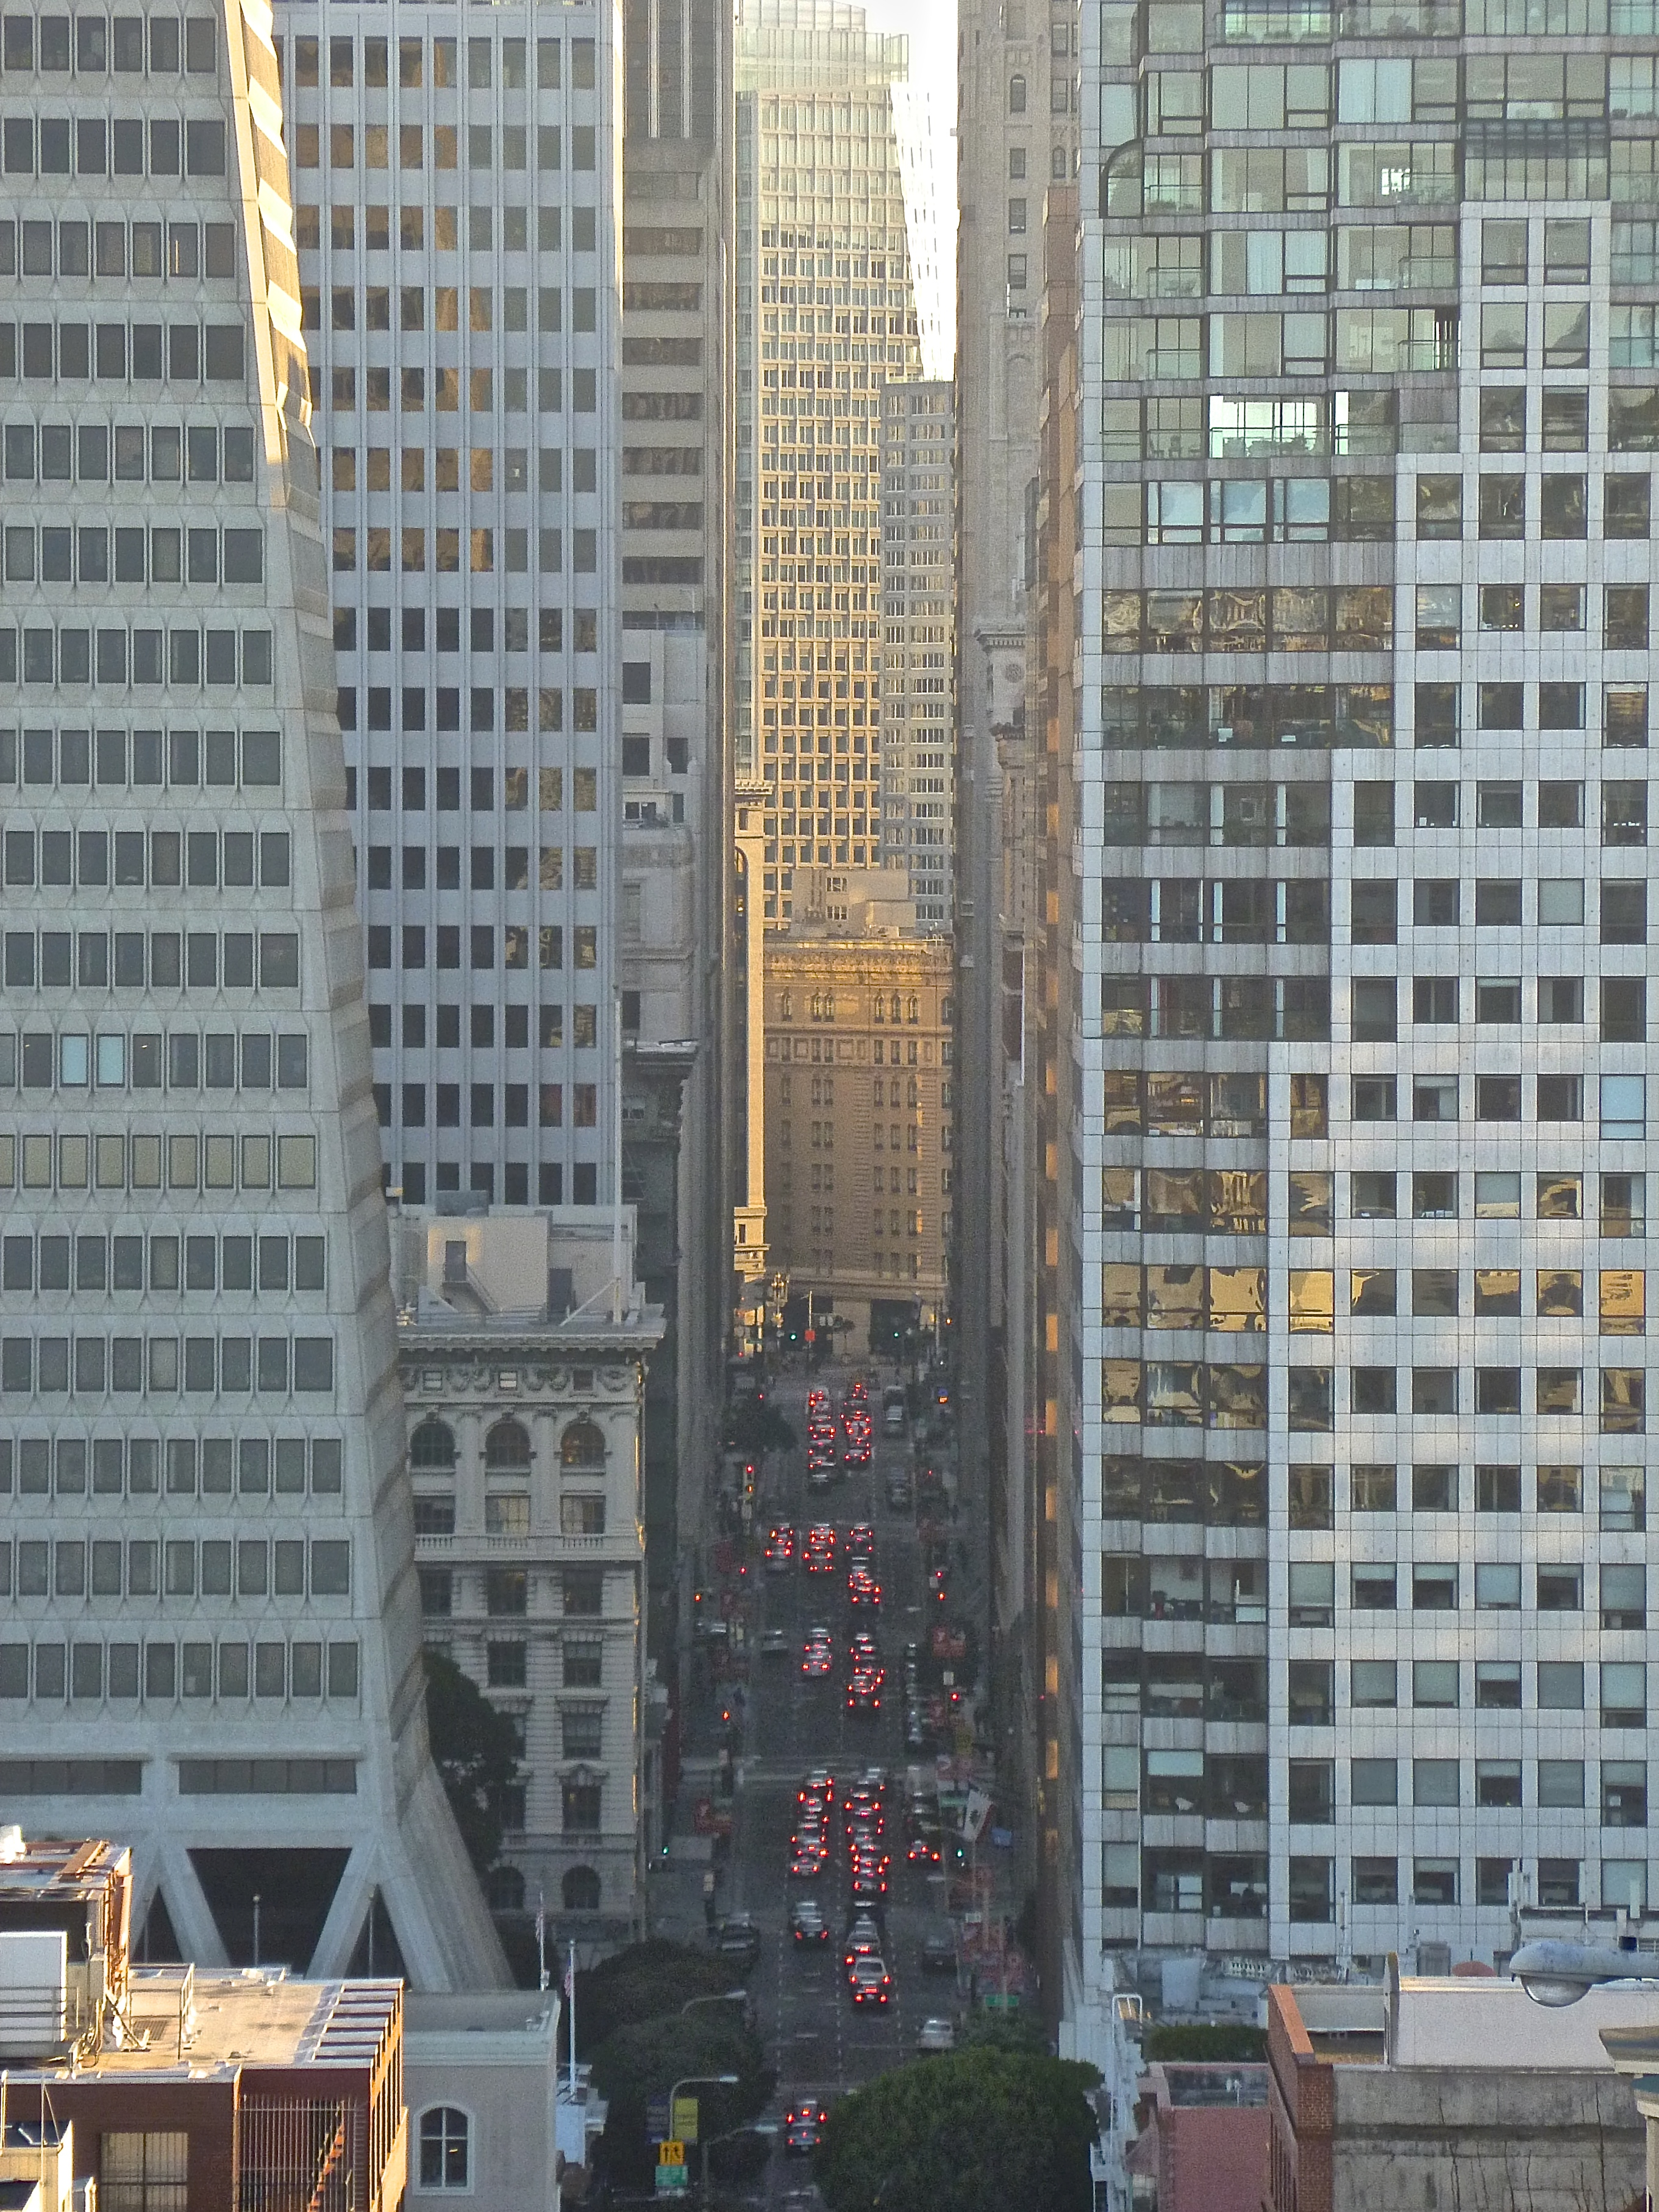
column 918, row 657
column 677, row 370
column 826, row 318
column 211, row 1639
column 1017, row 135
column 1359, row 997
column 457, row 189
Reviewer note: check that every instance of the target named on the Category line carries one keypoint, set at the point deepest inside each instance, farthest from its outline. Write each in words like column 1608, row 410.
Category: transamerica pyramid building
column 210, row 1638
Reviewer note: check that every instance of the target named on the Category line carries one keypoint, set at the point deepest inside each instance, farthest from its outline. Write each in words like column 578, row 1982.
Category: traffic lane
column 822, row 2043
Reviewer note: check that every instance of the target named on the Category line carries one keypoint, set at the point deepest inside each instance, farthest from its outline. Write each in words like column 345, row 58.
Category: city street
column 820, row 2043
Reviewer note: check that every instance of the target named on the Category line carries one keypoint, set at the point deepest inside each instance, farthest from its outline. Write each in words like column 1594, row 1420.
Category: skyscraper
column 1359, row 1387
column 210, row 1635
column 918, row 751
column 825, row 317
column 457, row 218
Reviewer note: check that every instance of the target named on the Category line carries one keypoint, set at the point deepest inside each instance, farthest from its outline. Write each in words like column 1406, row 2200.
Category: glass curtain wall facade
column 1358, row 1377
column 825, row 316
column 458, row 190
column 208, row 1633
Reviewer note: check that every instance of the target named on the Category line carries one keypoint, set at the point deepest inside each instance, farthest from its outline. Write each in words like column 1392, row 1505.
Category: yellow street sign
column 671, row 2153
column 682, row 2118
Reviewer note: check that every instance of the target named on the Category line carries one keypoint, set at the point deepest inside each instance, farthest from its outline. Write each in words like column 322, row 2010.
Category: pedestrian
column 708, row 1898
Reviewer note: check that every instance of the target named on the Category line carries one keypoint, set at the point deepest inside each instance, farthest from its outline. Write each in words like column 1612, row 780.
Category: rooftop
column 1476, row 2023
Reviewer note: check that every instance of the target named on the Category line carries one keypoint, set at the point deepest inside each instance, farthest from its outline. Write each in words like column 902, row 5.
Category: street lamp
column 706, row 2143
column 720, row 1996
column 702, row 2082
column 1555, row 1973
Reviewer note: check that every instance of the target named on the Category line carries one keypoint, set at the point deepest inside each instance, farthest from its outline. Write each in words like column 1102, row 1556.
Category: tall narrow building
column 210, row 1638
column 677, row 370
column 458, row 197
column 1359, row 989
column 918, row 660
column 826, row 316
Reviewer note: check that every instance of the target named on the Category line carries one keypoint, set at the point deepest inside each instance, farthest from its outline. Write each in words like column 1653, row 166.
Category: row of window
column 1233, row 1201
column 442, row 58
column 125, row 1366
column 158, row 44
column 252, row 1466
column 1296, row 96
column 1188, row 717
column 184, row 759
column 210, row 1263
column 1190, row 910
column 1559, row 903
column 1309, row 618
column 1561, row 611
column 73, row 657
column 508, row 1449
column 1400, row 176
column 211, row 962
column 1232, row 1494
column 509, row 1515
column 1194, row 1686
column 89, row 145
column 479, row 141
column 71, row 247
column 482, row 1107
column 220, row 1059
column 1223, row 1786
column 1439, row 1881
column 1188, row 1295
column 55, row 553
column 200, row 452
column 115, row 1162
column 483, row 701
column 1191, row 1394
column 482, row 1035
column 94, row 858
column 176, row 1567
column 481, row 237
column 508, row 949
column 341, row 394
column 1163, row 1588
column 90, row 1671
column 115, row 353
column 444, row 309
column 1262, row 815
column 1437, row 1000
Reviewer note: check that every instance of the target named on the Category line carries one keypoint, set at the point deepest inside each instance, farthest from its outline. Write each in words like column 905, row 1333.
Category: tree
column 754, row 1428
column 976, row 2131
column 1213, row 2042
column 476, row 1752
column 1003, row 2031
column 643, row 1982
column 645, row 2058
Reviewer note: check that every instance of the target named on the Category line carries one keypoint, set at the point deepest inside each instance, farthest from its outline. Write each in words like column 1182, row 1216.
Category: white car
column 936, row 2034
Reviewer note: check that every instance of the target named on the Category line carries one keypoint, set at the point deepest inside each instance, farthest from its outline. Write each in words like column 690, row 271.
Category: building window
column 432, row 1447
column 582, row 1445
column 581, row 1890
column 582, row 1801
column 144, row 2173
column 506, row 1447
column 445, row 2148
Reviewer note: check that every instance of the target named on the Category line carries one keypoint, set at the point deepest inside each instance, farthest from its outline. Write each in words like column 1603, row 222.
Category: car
column 739, row 1938
column 936, row 2033
column 899, row 1494
column 864, row 1591
column 870, row 1982
column 923, row 1848
column 939, row 1952
column 867, row 1886
column 803, row 2127
column 861, row 1541
column 807, row 1866
column 817, row 1781
column 780, row 1550
column 856, row 1455
column 818, row 1658
column 863, row 1695
column 808, row 1923
column 775, row 1642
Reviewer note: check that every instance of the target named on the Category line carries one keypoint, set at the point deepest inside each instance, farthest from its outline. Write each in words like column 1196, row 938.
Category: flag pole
column 570, row 1993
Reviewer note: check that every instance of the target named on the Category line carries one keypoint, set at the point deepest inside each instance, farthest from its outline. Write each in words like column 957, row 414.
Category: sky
column 925, row 117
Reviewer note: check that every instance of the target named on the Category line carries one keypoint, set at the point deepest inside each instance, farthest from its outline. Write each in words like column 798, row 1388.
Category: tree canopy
column 643, row 1982
column 975, row 2131
column 753, row 1427
column 476, row 1752
column 645, row 2058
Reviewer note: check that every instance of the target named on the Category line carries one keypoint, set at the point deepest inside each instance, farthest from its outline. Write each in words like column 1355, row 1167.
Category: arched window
column 433, row 1446
column 445, row 2147
column 581, row 1890
column 1016, row 95
column 881, row 1008
column 507, row 1448
column 582, row 1445
column 786, row 1006
column 893, row 1010
column 506, row 1888
column 914, row 1013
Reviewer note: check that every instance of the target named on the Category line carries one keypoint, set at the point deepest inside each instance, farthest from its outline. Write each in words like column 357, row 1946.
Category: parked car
column 738, row 1938
column 939, row 1952
column 936, row 2033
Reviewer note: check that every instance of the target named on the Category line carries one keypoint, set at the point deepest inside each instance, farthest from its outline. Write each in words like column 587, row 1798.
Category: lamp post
column 706, row 2143
column 1555, row 1973
column 718, row 1997
column 701, row 2081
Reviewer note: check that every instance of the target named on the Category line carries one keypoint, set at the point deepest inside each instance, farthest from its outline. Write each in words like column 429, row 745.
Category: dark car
column 739, row 1940
column 938, row 1952
column 808, row 1923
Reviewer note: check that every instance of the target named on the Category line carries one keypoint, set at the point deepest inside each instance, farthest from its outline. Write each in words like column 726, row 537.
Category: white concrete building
column 458, row 217
column 1358, row 1375
column 523, row 1340
column 209, row 1630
